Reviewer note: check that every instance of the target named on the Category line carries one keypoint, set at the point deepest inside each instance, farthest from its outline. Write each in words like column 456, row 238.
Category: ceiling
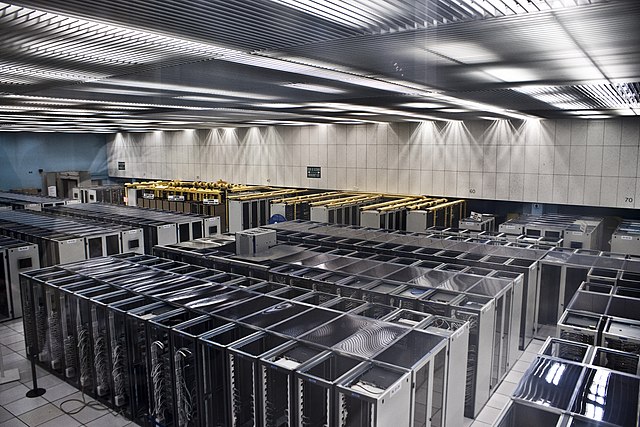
column 141, row 65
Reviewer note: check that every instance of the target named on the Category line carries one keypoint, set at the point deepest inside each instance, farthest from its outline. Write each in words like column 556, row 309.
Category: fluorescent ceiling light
column 512, row 74
column 184, row 88
column 204, row 98
column 594, row 117
column 421, row 105
column 314, row 87
column 278, row 105
column 454, row 110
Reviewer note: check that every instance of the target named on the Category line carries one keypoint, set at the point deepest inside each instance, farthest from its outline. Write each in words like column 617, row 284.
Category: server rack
column 245, row 380
column 457, row 334
column 374, row 395
column 425, row 355
column 480, row 312
column 580, row 327
column 316, row 382
column 622, row 334
column 31, row 202
column 63, row 240
column 626, row 238
column 163, row 228
column 16, row 257
column 213, row 346
column 277, row 372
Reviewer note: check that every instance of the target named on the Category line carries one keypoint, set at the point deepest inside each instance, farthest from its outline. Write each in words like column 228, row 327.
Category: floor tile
column 23, row 406
column 49, row 381
column 498, row 401
column 5, row 415
column 527, row 357
column 11, row 338
column 521, row 366
column 13, row 422
column 480, row 424
column 73, row 402
column 61, row 421
column 40, row 415
column 109, row 420
column 18, row 347
column 488, row 415
column 12, row 394
column 467, row 422
column 506, row 388
column 59, row 391
column 513, row 377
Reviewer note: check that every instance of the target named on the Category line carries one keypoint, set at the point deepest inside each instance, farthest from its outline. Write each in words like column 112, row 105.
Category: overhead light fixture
column 185, row 88
column 512, row 75
column 421, row 105
column 277, row 105
column 314, row 87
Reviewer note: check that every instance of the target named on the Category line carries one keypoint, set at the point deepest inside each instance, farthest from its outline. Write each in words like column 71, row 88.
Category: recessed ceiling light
column 512, row 74
column 314, row 87
column 421, row 105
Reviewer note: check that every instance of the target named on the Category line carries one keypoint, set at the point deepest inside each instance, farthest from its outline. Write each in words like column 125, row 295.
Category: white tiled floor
column 17, row 410
column 489, row 414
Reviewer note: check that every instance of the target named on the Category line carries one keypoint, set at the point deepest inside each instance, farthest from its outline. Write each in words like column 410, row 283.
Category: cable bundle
column 55, row 339
column 70, row 357
column 118, row 370
column 41, row 328
column 84, row 355
column 183, row 395
column 100, row 363
column 158, row 380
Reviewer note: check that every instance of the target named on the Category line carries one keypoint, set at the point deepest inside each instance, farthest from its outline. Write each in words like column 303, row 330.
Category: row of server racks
column 595, row 300
column 168, row 343
column 112, row 194
column 597, row 346
column 62, row 240
column 575, row 232
column 473, row 256
column 31, row 202
column 159, row 227
column 490, row 302
column 570, row 384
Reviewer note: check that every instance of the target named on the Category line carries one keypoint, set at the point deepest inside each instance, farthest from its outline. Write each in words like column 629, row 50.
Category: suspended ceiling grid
column 134, row 65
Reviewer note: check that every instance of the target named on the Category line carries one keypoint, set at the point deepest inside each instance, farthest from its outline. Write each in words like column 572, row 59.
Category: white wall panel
column 561, row 161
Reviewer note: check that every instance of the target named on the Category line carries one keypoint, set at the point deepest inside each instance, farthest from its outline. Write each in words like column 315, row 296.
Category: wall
column 22, row 154
column 582, row 162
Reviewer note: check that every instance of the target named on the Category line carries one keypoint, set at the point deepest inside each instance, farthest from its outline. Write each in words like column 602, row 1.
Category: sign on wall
column 313, row 171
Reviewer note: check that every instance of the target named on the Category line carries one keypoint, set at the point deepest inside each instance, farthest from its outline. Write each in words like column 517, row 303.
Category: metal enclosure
column 374, row 395
column 15, row 257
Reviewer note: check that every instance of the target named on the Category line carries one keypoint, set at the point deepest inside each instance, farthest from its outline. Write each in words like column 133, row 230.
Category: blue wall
column 22, row 154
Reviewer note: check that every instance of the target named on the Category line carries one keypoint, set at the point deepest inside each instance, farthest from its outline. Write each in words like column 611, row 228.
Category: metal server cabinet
column 480, row 311
column 15, row 257
column 277, row 370
column 132, row 315
column 244, row 377
column 214, row 383
column 374, row 395
column 457, row 333
column 622, row 334
column 626, row 238
column 247, row 214
column 425, row 355
column 188, row 368
column 580, row 327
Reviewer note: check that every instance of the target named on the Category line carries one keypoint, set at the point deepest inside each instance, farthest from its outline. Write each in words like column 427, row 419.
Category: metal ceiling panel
column 94, row 65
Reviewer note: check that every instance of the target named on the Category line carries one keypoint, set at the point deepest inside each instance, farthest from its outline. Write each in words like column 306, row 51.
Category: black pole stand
column 35, row 391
